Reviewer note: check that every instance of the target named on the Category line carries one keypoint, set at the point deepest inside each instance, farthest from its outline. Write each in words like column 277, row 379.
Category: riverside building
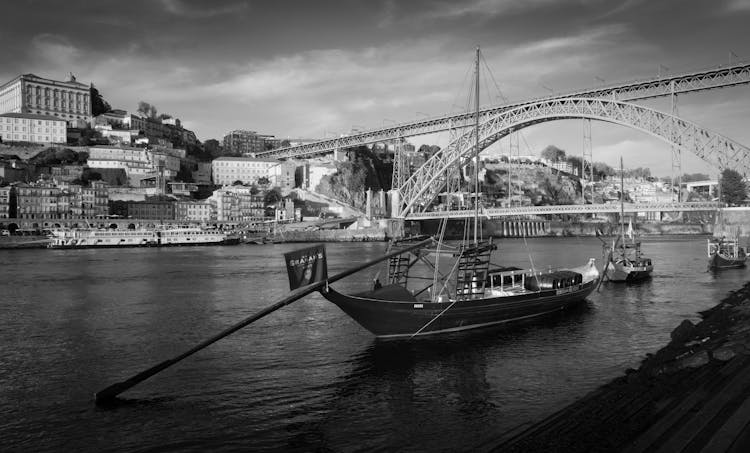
column 70, row 101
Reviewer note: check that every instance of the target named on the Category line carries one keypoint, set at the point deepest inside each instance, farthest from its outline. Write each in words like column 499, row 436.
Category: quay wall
column 542, row 228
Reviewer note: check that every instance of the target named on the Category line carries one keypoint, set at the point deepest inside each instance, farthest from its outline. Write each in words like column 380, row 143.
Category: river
column 306, row 377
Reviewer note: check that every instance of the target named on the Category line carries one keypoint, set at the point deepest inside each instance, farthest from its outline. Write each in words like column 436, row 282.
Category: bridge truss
column 419, row 191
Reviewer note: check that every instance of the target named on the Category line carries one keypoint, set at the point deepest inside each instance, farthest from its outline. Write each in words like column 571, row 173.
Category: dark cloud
column 304, row 67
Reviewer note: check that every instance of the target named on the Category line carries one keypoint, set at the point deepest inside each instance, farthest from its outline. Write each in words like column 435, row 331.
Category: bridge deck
column 567, row 209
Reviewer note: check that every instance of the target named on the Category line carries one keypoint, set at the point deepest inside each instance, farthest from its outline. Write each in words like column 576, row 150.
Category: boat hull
column 718, row 261
column 407, row 318
column 618, row 273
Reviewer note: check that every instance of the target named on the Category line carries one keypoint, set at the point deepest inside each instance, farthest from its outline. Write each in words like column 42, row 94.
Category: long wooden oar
column 604, row 272
column 109, row 393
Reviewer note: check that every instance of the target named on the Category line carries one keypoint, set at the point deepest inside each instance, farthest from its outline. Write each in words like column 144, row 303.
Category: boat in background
column 726, row 253
column 624, row 261
column 139, row 237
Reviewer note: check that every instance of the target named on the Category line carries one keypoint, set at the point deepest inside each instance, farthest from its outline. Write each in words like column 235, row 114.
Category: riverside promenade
column 691, row 396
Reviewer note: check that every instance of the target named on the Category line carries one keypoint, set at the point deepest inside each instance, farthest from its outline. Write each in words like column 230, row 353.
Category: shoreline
column 693, row 394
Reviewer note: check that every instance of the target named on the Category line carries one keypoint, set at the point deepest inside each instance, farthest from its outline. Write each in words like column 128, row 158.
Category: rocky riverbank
column 692, row 395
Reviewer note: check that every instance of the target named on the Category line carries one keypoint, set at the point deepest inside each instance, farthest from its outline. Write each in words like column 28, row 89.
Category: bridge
column 614, row 104
column 694, row 81
column 608, row 208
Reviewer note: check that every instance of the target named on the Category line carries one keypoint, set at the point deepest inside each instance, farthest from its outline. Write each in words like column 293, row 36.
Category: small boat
column 624, row 260
column 626, row 264
column 726, row 253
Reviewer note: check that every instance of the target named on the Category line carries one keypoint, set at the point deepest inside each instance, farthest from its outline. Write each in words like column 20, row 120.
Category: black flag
column 306, row 266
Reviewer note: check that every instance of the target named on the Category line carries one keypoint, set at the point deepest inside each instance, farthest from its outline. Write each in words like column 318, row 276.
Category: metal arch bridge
column 493, row 213
column 418, row 192
column 698, row 80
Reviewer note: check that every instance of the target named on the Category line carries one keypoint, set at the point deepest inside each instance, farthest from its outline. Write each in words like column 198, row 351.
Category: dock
column 691, row 396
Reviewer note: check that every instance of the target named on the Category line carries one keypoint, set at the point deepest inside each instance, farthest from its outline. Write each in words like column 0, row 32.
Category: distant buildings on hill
column 249, row 142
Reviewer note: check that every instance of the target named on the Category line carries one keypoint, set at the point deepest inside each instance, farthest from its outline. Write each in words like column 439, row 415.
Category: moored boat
column 478, row 294
column 624, row 261
column 725, row 253
column 139, row 237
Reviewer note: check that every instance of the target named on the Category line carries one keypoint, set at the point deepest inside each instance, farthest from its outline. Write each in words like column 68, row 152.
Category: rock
column 723, row 354
column 695, row 360
column 683, row 332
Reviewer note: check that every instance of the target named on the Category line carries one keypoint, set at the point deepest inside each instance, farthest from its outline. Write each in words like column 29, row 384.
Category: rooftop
column 32, row 116
column 245, row 159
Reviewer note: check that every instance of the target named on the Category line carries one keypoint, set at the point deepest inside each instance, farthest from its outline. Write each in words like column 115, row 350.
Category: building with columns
column 31, row 94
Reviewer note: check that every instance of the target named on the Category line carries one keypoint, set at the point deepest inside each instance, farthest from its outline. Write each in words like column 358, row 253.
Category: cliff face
column 731, row 220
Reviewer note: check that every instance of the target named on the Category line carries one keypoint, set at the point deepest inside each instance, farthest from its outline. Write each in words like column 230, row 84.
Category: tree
column 147, row 109
column 98, row 104
column 238, row 183
column 553, row 153
column 554, row 192
column 733, row 188
column 264, row 181
column 212, row 147
column 273, row 196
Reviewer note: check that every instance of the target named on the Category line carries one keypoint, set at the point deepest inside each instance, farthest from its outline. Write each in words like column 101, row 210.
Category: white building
column 26, row 127
column 137, row 161
column 227, row 170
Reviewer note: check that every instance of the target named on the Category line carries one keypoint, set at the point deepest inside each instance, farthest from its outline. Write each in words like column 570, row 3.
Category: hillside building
column 226, row 170
column 69, row 101
column 249, row 142
column 33, row 128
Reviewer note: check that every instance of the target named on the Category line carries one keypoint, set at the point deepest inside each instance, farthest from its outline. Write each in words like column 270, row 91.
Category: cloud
column 186, row 8
column 452, row 10
column 733, row 6
column 55, row 50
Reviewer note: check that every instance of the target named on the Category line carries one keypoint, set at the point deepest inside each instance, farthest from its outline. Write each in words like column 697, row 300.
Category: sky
column 317, row 69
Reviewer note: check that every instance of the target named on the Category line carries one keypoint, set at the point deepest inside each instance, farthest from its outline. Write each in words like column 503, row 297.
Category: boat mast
column 476, row 148
column 622, row 205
